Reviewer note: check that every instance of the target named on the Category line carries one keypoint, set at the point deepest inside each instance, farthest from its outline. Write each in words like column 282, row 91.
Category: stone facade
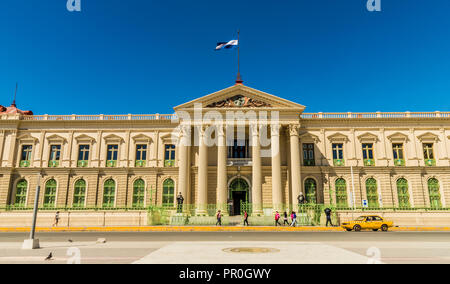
column 204, row 173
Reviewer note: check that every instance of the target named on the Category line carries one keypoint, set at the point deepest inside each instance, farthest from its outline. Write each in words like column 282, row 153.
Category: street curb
column 209, row 229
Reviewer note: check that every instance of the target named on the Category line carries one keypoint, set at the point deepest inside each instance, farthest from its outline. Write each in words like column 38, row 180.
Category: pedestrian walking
column 55, row 224
column 277, row 219
column 219, row 218
column 286, row 220
column 246, row 218
column 294, row 219
column 328, row 214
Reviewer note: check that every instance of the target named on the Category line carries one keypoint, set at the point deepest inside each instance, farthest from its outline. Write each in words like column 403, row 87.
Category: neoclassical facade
column 233, row 147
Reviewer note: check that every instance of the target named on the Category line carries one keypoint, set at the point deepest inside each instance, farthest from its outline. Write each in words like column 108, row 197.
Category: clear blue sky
column 147, row 56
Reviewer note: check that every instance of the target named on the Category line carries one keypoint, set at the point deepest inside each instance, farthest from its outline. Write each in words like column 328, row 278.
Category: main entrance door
column 239, row 190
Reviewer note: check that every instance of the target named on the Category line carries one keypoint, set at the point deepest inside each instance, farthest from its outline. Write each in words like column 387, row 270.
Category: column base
column 30, row 244
column 201, row 212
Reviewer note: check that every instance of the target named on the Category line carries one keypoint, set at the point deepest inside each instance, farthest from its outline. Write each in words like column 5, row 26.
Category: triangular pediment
column 305, row 137
column 398, row 137
column 142, row 138
column 113, row 138
column 428, row 137
column 84, row 137
column 56, row 138
column 241, row 97
column 338, row 137
column 368, row 137
column 27, row 137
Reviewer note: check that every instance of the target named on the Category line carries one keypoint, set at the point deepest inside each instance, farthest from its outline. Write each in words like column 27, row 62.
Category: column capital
column 294, row 129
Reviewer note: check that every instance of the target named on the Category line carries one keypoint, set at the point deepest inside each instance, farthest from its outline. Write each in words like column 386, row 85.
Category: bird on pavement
column 70, row 241
column 49, row 257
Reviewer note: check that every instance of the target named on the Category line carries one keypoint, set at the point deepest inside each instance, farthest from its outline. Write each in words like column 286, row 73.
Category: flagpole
column 239, row 78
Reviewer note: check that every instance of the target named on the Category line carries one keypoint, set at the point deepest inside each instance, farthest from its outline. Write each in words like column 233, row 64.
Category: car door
column 377, row 223
column 369, row 223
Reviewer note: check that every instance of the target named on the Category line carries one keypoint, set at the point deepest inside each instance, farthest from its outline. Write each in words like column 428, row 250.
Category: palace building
column 233, row 147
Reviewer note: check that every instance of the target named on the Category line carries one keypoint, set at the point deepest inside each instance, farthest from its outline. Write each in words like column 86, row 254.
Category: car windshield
column 361, row 219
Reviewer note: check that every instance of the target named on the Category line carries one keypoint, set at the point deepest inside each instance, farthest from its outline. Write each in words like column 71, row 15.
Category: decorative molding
column 56, row 138
column 239, row 101
column 27, row 138
column 338, row 137
column 428, row 137
column 309, row 136
column 85, row 138
column 398, row 137
column 368, row 137
column 113, row 138
column 142, row 138
column 294, row 129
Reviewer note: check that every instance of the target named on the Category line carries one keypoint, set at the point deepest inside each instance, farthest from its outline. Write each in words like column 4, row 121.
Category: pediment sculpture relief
column 239, row 101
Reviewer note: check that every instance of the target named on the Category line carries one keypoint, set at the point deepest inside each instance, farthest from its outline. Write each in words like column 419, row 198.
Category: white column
column 256, row 171
column 202, row 199
column 183, row 163
column 277, row 192
column 295, row 163
column 222, row 190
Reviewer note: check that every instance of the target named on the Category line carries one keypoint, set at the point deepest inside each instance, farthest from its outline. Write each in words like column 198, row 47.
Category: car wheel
column 357, row 228
column 375, row 230
column 384, row 228
column 349, row 230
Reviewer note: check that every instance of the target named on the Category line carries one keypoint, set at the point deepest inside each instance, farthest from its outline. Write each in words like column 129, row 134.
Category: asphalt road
column 122, row 247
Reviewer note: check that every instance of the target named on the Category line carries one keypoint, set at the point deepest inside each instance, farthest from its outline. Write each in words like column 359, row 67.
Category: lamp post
column 33, row 243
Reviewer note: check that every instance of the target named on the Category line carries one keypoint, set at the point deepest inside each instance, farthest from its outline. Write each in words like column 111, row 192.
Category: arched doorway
column 239, row 193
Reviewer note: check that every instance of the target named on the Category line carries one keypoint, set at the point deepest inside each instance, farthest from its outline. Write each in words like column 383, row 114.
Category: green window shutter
column 138, row 193
column 403, row 193
column 168, row 193
column 310, row 189
column 21, row 194
column 109, row 193
column 50, row 194
column 79, row 195
column 372, row 193
column 341, row 193
column 435, row 194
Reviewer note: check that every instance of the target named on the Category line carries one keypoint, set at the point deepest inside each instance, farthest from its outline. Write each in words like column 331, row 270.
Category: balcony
column 53, row 164
column 339, row 162
column 169, row 163
column 430, row 162
column 82, row 164
column 369, row 162
column 239, row 162
column 399, row 163
column 111, row 164
column 24, row 164
column 139, row 164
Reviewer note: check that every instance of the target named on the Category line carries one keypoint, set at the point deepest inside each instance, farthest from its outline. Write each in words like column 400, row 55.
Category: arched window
column 341, row 193
column 310, row 189
column 372, row 193
column 109, row 193
column 434, row 192
column 21, row 194
column 138, row 193
column 168, row 193
column 50, row 194
column 79, row 194
column 403, row 193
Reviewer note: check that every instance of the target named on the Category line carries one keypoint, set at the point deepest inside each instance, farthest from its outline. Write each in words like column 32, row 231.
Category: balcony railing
column 140, row 164
column 399, row 162
column 169, row 117
column 375, row 115
column 24, row 164
column 369, row 162
column 154, row 117
column 82, row 164
column 339, row 162
column 53, row 164
column 430, row 163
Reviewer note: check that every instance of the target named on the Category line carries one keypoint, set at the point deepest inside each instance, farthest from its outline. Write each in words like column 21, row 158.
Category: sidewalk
column 209, row 229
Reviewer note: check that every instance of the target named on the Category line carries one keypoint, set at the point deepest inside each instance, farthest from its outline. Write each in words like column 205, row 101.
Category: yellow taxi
column 372, row 222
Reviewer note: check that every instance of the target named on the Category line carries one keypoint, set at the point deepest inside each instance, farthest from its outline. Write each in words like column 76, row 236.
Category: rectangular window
column 308, row 155
column 239, row 150
column 26, row 153
column 113, row 151
column 55, row 152
column 83, row 153
column 141, row 152
column 367, row 151
column 169, row 155
column 398, row 151
column 112, row 155
column 338, row 151
column 55, row 156
column 428, row 151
